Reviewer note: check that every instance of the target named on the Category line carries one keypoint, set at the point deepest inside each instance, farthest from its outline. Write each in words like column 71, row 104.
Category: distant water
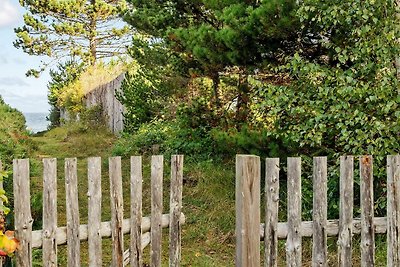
column 36, row 122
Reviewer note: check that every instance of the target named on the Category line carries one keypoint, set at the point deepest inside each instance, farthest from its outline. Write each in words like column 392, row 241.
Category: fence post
column 320, row 201
column 49, row 212
column 346, row 211
column 117, row 211
column 71, row 187
column 248, row 172
column 94, row 211
column 367, row 212
column 175, row 210
column 393, row 210
column 271, row 211
column 22, row 211
column 293, row 241
column 136, row 212
column 156, row 209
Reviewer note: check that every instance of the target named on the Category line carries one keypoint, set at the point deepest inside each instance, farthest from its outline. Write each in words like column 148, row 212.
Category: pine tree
column 85, row 30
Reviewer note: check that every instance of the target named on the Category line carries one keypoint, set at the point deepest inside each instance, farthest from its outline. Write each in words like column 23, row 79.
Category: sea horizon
column 36, row 121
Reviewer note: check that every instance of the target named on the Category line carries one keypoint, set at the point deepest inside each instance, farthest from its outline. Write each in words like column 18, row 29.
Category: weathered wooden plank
column 175, row 210
column 117, row 211
column 136, row 212
column 22, row 212
column 393, row 210
column 293, row 242
column 248, row 175
column 49, row 212
column 367, row 212
column 346, row 211
column 156, row 209
column 271, row 211
column 320, row 212
column 72, row 207
column 144, row 243
column 105, row 230
column 94, row 211
column 332, row 228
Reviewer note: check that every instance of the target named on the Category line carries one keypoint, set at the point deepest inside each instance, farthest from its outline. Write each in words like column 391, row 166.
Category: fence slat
column 367, row 212
column 49, row 212
column 248, row 175
column 175, row 210
column 22, row 211
column 72, row 207
column 156, row 209
column 319, row 250
column 293, row 242
column 94, row 211
column 346, row 211
column 271, row 211
column 136, row 212
column 393, row 210
column 117, row 211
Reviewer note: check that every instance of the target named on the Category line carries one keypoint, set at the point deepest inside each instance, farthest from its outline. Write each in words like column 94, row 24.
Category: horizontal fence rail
column 143, row 230
column 248, row 178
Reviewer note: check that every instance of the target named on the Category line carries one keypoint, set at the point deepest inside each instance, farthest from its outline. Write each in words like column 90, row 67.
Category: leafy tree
column 345, row 102
column 217, row 35
column 65, row 74
column 84, row 29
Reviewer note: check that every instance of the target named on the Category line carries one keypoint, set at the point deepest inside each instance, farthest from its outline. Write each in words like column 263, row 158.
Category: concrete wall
column 106, row 96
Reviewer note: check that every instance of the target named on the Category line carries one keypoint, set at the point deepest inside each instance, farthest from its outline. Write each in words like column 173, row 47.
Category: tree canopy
column 84, row 30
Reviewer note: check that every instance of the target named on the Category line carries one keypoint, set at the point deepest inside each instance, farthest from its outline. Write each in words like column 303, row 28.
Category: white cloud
column 8, row 13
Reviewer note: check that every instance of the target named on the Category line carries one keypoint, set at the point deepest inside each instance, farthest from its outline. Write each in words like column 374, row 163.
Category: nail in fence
column 142, row 230
column 249, row 231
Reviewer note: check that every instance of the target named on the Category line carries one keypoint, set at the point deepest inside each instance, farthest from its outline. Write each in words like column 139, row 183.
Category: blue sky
column 25, row 94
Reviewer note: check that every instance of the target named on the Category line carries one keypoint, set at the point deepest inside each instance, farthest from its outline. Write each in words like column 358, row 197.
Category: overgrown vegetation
column 14, row 138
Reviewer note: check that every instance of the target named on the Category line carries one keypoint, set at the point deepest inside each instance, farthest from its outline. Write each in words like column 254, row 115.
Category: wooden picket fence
column 249, row 231
column 142, row 230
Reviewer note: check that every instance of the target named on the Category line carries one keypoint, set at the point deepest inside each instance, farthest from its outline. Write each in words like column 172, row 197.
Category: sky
column 27, row 94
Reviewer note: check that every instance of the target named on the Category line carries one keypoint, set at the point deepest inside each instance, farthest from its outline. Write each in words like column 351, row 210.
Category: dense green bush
column 14, row 139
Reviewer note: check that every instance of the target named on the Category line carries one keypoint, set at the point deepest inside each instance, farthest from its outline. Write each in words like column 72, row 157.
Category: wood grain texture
column 105, row 230
column 22, row 211
column 293, row 241
column 271, row 211
column 320, row 212
column 367, row 212
column 332, row 228
column 94, row 211
column 175, row 211
column 72, row 207
column 117, row 211
column 346, row 211
column 393, row 210
column 156, row 209
column 136, row 254
column 248, row 175
column 49, row 212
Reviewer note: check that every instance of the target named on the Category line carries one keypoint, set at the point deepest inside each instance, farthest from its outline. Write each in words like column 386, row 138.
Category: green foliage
column 14, row 139
column 142, row 99
column 81, row 30
column 66, row 74
column 347, row 102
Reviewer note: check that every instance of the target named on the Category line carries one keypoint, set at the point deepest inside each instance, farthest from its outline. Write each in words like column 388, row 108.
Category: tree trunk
column 92, row 35
column 242, row 106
